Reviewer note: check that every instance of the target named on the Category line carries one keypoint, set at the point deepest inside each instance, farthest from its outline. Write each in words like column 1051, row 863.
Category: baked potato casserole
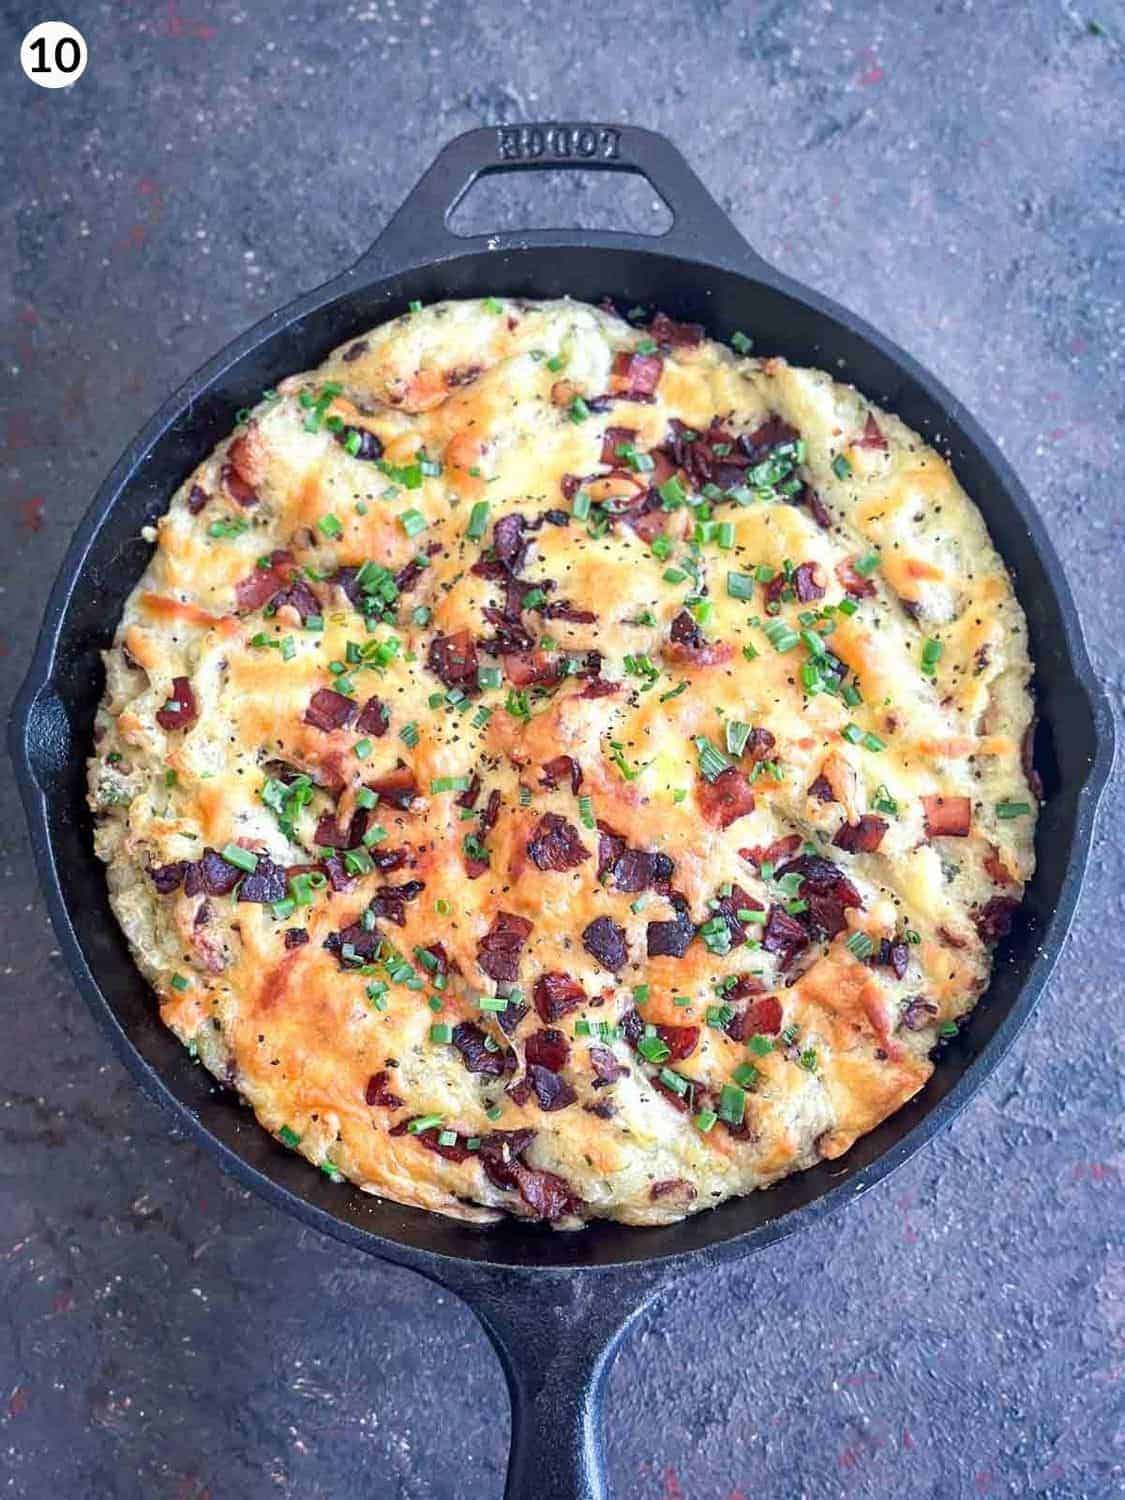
column 556, row 763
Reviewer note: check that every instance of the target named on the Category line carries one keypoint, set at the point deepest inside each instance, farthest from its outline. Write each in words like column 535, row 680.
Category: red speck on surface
column 31, row 513
column 908, row 1443
column 873, row 75
column 172, row 23
column 63, row 1300
column 1094, row 1171
column 673, row 1489
column 982, row 1481
column 135, row 238
column 17, row 1402
column 850, row 1457
column 19, row 434
column 27, row 314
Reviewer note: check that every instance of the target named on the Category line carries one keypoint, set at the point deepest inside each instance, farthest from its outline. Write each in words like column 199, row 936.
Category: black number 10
column 74, row 52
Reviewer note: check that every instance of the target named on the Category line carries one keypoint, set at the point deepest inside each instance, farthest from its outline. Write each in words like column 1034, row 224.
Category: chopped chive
column 732, row 1104
column 759, row 1045
column 848, row 606
column 424, row 1122
column 672, row 491
column 841, row 467
column 450, row 784
column 737, row 734
column 747, row 1076
column 867, row 564
column 495, row 1003
column 408, row 734
column 493, row 305
column 578, row 410
column 1013, row 809
column 740, row 586
column 860, row 945
column 740, row 342
column 441, row 1031
column 712, row 762
column 363, row 749
column 288, row 1137
column 412, row 521
column 705, row 1120
column 234, row 854
column 586, row 811
column 179, row 982
column 478, row 521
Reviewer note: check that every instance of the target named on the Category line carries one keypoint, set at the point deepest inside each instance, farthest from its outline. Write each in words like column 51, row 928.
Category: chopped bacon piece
column 863, row 837
column 677, row 1101
column 614, row 438
column 918, row 1013
column 561, row 768
column 562, row 609
column 498, row 952
column 993, row 920
column 237, row 488
column 551, row 1091
column 948, row 817
column 509, row 542
column 453, row 659
column 605, row 1065
column 1027, row 761
column 995, row 868
column 772, row 433
column 390, row 901
column 762, row 1017
column 667, row 331
column 197, row 499
column 681, row 1041
column 852, row 582
column 807, row 582
column 431, row 1139
column 872, row 436
column 821, row 789
column 640, row 869
column 373, row 718
column 523, row 668
column 891, row 955
column 783, row 935
column 265, row 884
column 491, row 1061
column 599, row 687
column 168, row 878
column 377, row 1092
column 636, row 376
column 212, row 874
column 359, row 441
column 690, row 647
column 329, row 710
column 827, row 890
column 362, row 944
column 555, row 845
column 604, row 940
column 782, row 848
column 180, row 710
column 259, row 587
column 397, row 787
column 759, row 745
column 726, row 799
column 556, row 995
column 728, row 908
column 548, row 1048
column 546, row 1194
column 671, row 939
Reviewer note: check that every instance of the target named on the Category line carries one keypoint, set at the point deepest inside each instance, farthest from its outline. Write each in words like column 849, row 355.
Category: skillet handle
column 557, row 1336
column 419, row 230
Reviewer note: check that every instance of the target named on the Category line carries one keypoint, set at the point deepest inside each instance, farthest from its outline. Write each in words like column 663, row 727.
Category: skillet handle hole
column 561, row 199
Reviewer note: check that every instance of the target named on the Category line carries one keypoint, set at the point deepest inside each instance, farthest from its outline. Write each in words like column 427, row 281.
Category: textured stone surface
column 952, row 171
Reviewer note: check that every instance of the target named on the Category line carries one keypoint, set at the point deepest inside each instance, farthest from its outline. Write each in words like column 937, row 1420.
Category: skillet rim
column 36, row 709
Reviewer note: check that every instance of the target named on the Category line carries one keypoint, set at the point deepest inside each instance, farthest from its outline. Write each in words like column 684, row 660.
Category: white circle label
column 54, row 54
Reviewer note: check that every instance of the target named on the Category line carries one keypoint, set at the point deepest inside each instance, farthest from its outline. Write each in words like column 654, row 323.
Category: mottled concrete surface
column 953, row 171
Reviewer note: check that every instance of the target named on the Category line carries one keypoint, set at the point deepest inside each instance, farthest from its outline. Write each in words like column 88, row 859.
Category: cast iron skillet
column 554, row 1305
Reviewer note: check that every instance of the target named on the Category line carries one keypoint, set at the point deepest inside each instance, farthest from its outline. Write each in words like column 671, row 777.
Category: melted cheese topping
column 687, row 629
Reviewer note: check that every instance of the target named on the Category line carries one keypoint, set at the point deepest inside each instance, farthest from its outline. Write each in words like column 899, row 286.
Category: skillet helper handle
column 419, row 230
column 557, row 1337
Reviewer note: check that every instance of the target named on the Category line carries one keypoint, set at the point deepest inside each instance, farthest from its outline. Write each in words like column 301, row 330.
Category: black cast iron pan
column 554, row 1305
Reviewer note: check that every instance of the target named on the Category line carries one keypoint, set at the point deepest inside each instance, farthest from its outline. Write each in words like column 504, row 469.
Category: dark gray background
column 952, row 170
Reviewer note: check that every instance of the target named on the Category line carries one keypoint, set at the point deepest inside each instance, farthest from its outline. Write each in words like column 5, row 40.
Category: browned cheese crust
column 565, row 767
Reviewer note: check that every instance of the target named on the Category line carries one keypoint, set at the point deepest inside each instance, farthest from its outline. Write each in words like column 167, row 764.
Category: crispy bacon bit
column 397, row 787
column 562, row 609
column 362, row 945
column 948, row 817
column 556, row 995
column 891, row 955
column 677, row 1101
column 509, row 1020
column 817, row 508
column 239, row 472
column 604, row 941
column 995, row 868
column 863, row 837
column 605, row 1065
column 918, row 1013
column 673, row 1187
column 759, row 745
column 686, row 632
column 772, row 854
column 635, row 376
column 668, row 332
column 265, row 884
column 180, row 710
column 551, row 1091
column 296, row 937
column 555, row 845
column 821, row 789
column 690, row 647
column 548, row 1049
column 872, row 436
column 783, row 935
column 762, row 1017
column 827, row 890
column 498, row 952
column 681, row 1041
column 614, row 438
column 671, row 939
column 509, row 542
column 772, row 433
column 468, row 797
column 197, row 499
column 168, row 878
column 431, row 1139
column 377, row 1092
column 641, row 869
column 599, row 687
column 478, row 1056
column 390, row 900
column 726, row 799
column 728, row 908
column 360, row 443
column 546, row 1195
column 329, row 710
column 354, row 351
column 373, row 718
column 453, row 659
column 211, row 874
column 561, row 768
column 807, row 582
column 525, row 668
column 993, row 920
column 852, row 582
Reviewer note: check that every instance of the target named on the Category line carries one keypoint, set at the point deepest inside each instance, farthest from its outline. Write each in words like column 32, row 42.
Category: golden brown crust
column 619, row 639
